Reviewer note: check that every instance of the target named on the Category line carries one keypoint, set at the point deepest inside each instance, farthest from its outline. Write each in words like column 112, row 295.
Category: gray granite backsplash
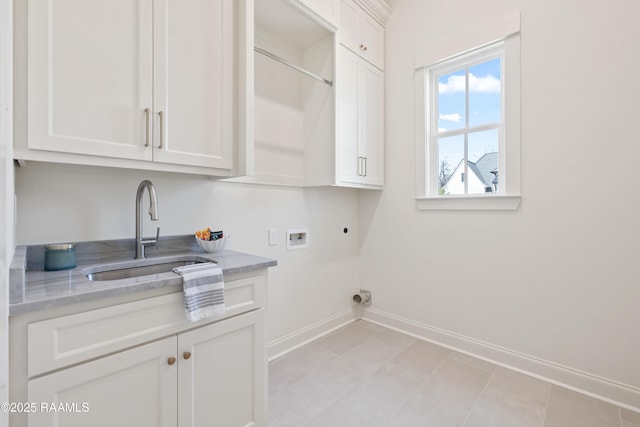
column 104, row 251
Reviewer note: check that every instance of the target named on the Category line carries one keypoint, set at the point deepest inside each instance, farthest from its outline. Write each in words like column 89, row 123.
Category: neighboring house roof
column 486, row 169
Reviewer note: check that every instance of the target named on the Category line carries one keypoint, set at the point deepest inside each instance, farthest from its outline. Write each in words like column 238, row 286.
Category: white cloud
column 442, row 129
column 455, row 117
column 486, row 84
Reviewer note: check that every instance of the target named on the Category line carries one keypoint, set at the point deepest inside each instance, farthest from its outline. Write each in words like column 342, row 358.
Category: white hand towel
column 203, row 290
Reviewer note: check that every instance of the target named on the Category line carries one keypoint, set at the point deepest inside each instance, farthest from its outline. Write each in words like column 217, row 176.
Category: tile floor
column 370, row 376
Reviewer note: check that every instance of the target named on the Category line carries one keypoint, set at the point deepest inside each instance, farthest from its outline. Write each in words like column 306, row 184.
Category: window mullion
column 466, row 134
column 434, row 186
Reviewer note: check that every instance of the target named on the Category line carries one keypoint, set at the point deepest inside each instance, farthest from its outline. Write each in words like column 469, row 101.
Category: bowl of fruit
column 210, row 241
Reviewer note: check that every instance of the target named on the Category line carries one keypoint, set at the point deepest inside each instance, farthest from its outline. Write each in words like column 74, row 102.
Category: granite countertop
column 31, row 288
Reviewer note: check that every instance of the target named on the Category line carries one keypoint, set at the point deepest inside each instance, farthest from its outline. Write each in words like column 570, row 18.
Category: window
column 468, row 120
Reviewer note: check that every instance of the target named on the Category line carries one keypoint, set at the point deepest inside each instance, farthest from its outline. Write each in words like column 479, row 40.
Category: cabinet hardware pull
column 365, row 49
column 186, row 355
column 171, row 361
column 359, row 166
column 161, row 114
column 365, row 166
column 362, row 46
column 146, row 117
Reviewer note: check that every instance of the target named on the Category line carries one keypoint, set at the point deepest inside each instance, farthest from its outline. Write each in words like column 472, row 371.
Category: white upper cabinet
column 362, row 33
column 152, row 80
column 359, row 122
column 319, row 119
column 90, row 77
column 359, row 138
column 193, row 79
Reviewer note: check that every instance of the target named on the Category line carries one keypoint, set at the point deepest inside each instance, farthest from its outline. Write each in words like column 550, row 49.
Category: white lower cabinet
column 141, row 363
column 222, row 374
column 210, row 376
column 136, row 387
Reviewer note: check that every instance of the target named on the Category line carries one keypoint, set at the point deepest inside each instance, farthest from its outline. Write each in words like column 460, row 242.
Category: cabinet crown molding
column 378, row 9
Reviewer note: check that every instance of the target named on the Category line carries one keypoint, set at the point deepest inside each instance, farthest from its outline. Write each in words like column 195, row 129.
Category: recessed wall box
column 297, row 239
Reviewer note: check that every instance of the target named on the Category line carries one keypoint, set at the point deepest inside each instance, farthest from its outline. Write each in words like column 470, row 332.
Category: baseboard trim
column 604, row 389
column 281, row 346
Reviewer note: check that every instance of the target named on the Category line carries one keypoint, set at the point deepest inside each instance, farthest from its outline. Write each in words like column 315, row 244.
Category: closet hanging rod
column 294, row 66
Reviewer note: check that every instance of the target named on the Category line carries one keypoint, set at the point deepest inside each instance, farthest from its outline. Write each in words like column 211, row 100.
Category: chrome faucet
column 153, row 212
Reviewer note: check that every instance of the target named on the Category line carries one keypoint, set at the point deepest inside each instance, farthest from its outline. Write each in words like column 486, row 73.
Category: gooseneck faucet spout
column 153, row 212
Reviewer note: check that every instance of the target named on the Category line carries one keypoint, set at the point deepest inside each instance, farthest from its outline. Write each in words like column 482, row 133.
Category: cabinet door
column 372, row 40
column 222, row 380
column 372, row 123
column 134, row 388
column 194, row 82
column 349, row 30
column 90, row 76
column 348, row 162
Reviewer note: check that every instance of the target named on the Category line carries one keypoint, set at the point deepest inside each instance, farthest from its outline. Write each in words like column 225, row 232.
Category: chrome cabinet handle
column 365, row 166
column 359, row 166
column 161, row 114
column 146, row 118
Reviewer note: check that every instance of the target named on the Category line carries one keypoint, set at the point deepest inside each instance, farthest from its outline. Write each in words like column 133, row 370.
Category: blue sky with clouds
column 484, row 108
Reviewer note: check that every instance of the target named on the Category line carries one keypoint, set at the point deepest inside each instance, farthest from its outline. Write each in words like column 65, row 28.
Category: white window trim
column 506, row 29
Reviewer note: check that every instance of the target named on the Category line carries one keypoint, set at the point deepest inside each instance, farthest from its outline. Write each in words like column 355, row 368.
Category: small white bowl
column 211, row 246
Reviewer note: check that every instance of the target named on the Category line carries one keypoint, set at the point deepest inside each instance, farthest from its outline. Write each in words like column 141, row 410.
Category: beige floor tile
column 510, row 400
column 373, row 402
column 346, row 338
column 630, row 417
column 473, row 361
column 305, row 399
column 570, row 409
column 377, row 351
column 445, row 399
column 422, row 358
column 297, row 364
column 341, row 415
column 365, row 375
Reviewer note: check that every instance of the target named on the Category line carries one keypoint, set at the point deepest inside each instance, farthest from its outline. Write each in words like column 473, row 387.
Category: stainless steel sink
column 138, row 268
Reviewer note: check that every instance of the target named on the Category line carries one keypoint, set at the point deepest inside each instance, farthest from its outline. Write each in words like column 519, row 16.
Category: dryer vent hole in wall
column 362, row 297
column 297, row 239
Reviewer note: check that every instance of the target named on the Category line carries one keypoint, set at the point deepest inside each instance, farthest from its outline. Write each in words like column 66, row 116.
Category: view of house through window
column 467, row 122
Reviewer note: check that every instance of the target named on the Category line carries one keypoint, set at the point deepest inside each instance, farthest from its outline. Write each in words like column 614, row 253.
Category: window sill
column 468, row 203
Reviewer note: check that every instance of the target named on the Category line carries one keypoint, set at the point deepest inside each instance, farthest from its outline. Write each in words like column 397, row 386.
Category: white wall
column 557, row 279
column 6, row 193
column 72, row 203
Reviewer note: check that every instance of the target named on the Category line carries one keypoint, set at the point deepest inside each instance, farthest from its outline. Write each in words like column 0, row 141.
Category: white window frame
column 462, row 50
column 462, row 62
